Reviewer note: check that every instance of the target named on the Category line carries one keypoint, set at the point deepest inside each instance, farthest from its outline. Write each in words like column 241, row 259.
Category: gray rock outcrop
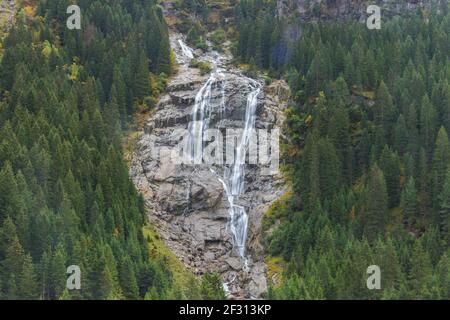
column 187, row 203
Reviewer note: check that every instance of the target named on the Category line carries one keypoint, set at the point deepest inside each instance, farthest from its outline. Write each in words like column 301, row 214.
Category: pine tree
column 314, row 178
column 164, row 57
column 409, row 201
column 127, row 278
column 424, row 184
column 376, row 211
column 330, row 171
column 57, row 273
column 428, row 123
column 392, row 275
column 384, row 113
column 142, row 78
column 211, row 287
column 441, row 160
column 390, row 165
column 401, row 135
column 443, row 275
column 421, row 270
column 9, row 195
column 27, row 286
column 339, row 133
column 118, row 91
column 17, row 267
column 444, row 207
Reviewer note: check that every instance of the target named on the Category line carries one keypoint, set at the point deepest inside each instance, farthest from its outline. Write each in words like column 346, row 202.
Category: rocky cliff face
column 188, row 203
column 7, row 11
column 309, row 10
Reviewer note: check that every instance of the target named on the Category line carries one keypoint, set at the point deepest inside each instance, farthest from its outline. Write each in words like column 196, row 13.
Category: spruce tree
column 441, row 161
column 211, row 287
column 409, row 201
column 421, row 270
column 390, row 165
column 376, row 210
column 428, row 123
column 164, row 57
column 142, row 78
column 444, row 208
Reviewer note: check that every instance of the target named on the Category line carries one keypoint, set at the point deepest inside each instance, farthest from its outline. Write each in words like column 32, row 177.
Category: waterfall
column 201, row 115
column 222, row 93
column 234, row 175
column 199, row 123
column 237, row 177
column 188, row 52
column 234, row 178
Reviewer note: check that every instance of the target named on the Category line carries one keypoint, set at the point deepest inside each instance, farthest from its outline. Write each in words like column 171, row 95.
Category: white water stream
column 187, row 51
column 235, row 178
column 234, row 175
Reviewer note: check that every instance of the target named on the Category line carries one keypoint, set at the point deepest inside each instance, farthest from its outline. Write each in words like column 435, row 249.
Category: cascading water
column 202, row 111
column 208, row 223
column 200, row 120
column 235, row 177
column 222, row 93
column 188, row 52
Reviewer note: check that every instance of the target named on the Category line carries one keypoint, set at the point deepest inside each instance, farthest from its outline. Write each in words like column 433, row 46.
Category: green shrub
column 205, row 67
column 196, row 36
column 218, row 37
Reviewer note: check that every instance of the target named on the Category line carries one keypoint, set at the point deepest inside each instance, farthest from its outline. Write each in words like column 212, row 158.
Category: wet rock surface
column 186, row 202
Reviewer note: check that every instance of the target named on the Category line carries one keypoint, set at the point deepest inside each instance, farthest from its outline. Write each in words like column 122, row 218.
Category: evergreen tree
column 376, row 211
column 421, row 270
column 164, row 58
column 428, row 123
column 441, row 160
column 401, row 135
column 211, row 287
column 390, row 165
column 384, row 113
column 444, row 211
column 142, row 79
column 409, row 201
column 127, row 278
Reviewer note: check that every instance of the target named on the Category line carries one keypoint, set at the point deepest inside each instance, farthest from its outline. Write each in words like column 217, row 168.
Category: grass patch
column 276, row 211
column 129, row 144
column 275, row 270
column 368, row 94
column 158, row 249
column 205, row 67
column 218, row 37
column 132, row 135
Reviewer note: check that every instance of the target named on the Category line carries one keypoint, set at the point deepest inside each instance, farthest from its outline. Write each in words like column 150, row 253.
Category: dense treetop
column 65, row 195
column 368, row 152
